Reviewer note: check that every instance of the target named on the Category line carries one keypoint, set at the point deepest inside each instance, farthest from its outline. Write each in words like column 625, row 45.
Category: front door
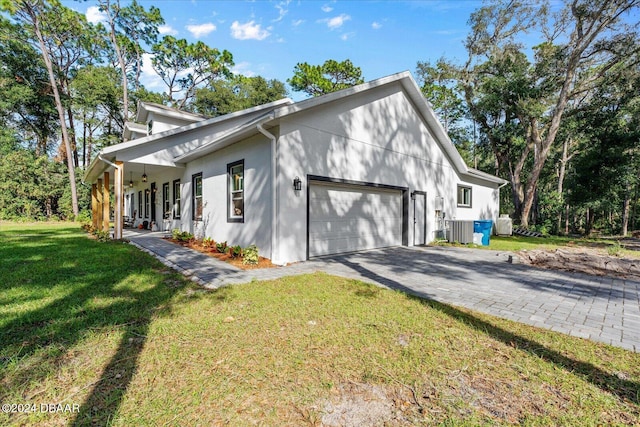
column 153, row 201
column 419, row 218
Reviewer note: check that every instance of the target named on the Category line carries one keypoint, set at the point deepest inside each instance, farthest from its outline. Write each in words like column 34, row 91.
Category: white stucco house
column 365, row 167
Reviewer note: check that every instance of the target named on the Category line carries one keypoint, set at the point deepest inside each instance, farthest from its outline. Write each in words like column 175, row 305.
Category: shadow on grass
column 624, row 389
column 74, row 288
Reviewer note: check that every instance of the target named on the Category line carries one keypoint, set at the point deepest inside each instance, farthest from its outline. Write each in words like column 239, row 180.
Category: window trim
column 166, row 201
column 140, row 204
column 235, row 218
column 176, row 199
column 462, row 204
column 147, row 202
column 194, row 197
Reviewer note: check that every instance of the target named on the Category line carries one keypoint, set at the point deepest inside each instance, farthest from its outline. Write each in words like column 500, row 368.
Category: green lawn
column 109, row 329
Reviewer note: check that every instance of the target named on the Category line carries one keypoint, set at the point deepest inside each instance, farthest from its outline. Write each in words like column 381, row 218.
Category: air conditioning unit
column 460, row 231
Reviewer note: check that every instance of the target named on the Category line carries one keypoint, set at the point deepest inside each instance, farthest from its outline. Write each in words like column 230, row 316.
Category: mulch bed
column 236, row 262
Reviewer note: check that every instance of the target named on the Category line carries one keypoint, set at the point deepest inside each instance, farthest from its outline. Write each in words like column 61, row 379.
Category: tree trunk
column 561, row 173
column 625, row 210
column 121, row 63
column 35, row 20
column 72, row 136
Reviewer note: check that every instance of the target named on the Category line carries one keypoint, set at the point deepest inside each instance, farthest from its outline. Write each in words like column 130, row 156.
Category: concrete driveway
column 603, row 309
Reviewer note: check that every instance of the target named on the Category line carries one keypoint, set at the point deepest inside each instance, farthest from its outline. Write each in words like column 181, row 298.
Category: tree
column 235, row 94
column 30, row 12
column 185, row 66
column 583, row 44
column 129, row 27
column 331, row 76
column 25, row 102
column 96, row 100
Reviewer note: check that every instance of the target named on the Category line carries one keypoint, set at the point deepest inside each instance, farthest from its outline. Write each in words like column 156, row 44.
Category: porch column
column 94, row 205
column 99, row 199
column 118, row 218
column 105, row 203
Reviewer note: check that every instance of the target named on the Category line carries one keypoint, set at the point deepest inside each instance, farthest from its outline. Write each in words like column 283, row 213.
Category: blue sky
column 268, row 38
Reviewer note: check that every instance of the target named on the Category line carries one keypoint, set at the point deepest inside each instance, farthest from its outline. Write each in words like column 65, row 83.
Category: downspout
column 274, row 185
column 117, row 225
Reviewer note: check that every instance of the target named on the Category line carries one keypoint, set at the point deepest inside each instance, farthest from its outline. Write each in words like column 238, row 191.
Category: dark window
column 147, row 194
column 176, row 199
column 196, row 198
column 235, row 191
column 139, row 204
column 464, row 196
column 166, row 202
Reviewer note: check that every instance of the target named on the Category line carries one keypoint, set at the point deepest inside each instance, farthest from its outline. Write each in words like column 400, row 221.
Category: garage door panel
column 345, row 218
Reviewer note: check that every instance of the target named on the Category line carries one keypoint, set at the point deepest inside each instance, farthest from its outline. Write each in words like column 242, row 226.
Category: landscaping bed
column 232, row 259
column 244, row 258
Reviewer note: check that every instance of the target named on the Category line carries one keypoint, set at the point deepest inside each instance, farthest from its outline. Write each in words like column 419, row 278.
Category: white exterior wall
column 256, row 228
column 485, row 202
column 163, row 123
column 371, row 137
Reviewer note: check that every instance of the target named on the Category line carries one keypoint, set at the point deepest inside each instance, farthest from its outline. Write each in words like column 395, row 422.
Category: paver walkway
column 603, row 309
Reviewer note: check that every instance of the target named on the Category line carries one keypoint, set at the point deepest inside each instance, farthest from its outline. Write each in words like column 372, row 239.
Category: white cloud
column 347, row 36
column 282, row 10
column 94, row 15
column 376, row 25
column 297, row 22
column 326, row 8
column 243, row 68
column 201, row 29
column 336, row 21
column 167, row 29
column 248, row 31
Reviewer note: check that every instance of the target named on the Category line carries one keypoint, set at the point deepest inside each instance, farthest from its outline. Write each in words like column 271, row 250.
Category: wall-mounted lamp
column 297, row 184
column 144, row 174
column 413, row 195
column 131, row 180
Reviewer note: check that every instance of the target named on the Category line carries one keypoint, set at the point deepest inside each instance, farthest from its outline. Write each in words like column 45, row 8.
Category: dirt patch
column 356, row 404
column 583, row 260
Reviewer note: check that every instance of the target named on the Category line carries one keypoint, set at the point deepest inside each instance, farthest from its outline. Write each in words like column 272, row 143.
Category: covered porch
column 132, row 194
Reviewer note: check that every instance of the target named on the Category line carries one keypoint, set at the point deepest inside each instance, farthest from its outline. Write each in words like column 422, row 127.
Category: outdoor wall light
column 144, row 174
column 131, row 180
column 297, row 184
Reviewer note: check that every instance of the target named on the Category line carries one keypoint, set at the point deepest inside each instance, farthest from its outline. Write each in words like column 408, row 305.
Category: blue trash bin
column 483, row 226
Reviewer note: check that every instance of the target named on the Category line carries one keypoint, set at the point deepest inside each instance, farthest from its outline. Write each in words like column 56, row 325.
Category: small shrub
column 235, row 251
column 222, row 247
column 88, row 227
column 615, row 249
column 102, row 236
column 181, row 236
column 208, row 242
column 250, row 255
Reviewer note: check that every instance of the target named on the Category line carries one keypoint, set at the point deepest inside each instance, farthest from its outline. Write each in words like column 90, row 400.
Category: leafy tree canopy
column 331, row 76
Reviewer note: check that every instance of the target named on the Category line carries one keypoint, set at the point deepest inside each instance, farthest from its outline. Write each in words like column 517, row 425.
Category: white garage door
column 346, row 218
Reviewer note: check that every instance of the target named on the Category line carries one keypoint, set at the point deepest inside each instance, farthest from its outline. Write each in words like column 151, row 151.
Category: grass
column 105, row 327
